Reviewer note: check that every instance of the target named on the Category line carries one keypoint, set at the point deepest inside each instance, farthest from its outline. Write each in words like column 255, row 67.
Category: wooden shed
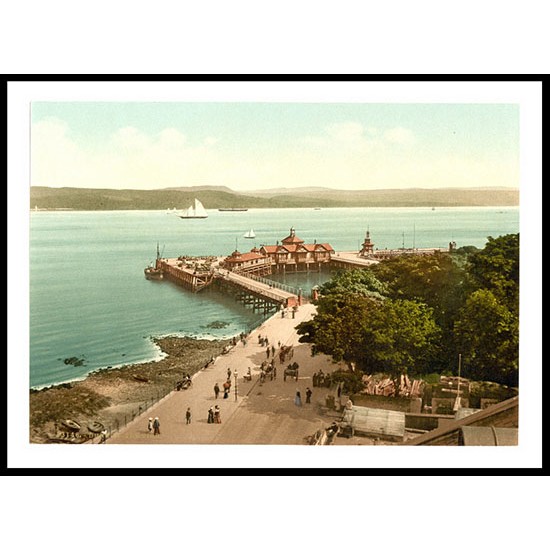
column 487, row 436
column 375, row 422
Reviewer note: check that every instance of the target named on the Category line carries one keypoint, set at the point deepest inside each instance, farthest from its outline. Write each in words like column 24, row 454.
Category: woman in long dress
column 298, row 399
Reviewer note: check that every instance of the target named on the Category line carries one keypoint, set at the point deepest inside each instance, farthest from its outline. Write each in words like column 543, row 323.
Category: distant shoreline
column 70, row 198
column 428, row 206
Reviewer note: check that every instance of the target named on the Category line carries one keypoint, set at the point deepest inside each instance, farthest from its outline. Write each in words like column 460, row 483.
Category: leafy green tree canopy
column 487, row 334
column 496, row 268
column 362, row 282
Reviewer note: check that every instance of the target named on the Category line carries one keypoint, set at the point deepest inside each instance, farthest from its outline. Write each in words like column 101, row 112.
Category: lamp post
column 235, row 374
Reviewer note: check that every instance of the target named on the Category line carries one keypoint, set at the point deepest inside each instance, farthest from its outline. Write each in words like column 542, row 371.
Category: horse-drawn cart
column 291, row 371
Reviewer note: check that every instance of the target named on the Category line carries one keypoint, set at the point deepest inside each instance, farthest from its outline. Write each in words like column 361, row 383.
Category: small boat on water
column 250, row 234
column 171, row 210
column 196, row 210
column 153, row 271
column 232, row 209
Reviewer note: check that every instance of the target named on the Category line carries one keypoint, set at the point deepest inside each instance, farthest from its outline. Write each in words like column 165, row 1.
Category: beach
column 255, row 411
column 112, row 396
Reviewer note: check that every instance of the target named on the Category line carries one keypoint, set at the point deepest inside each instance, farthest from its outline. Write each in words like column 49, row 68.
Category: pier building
column 242, row 274
column 252, row 262
column 294, row 254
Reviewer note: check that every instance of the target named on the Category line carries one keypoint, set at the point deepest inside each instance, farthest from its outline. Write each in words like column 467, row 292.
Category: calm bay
column 89, row 298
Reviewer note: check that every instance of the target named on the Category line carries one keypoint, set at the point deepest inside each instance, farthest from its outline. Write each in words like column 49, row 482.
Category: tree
column 487, row 335
column 337, row 328
column 434, row 279
column 391, row 336
column 359, row 282
column 400, row 337
column 496, row 268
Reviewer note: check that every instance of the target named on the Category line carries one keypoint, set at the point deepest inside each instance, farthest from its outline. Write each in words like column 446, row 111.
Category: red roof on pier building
column 237, row 257
column 292, row 239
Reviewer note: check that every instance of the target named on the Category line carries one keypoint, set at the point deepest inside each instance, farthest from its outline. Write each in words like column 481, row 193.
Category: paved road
column 264, row 413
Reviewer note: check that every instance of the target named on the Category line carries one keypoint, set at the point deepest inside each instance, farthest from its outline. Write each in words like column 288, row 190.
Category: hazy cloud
column 345, row 154
column 399, row 135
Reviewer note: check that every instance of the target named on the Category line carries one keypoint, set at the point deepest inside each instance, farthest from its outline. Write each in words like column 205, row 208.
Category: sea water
column 89, row 298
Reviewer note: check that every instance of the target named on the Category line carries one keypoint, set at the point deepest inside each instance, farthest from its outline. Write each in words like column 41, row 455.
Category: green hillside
column 128, row 199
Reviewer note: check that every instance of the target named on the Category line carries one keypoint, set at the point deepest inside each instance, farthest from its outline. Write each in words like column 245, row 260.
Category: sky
column 253, row 145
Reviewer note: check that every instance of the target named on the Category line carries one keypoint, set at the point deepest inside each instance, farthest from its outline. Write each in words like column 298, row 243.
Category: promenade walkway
column 263, row 413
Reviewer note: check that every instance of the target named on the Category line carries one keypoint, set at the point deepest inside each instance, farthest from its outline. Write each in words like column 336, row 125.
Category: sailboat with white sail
column 196, row 210
column 250, row 234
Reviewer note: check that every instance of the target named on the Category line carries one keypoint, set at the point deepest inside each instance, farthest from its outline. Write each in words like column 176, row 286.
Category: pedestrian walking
column 308, row 395
column 188, row 416
column 150, row 425
column 217, row 417
column 273, row 351
column 298, row 399
column 210, row 416
column 216, row 390
column 229, row 373
column 268, row 352
column 156, row 426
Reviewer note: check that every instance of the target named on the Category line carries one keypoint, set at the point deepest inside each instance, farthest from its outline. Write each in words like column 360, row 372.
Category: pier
column 252, row 292
column 198, row 275
column 241, row 274
column 178, row 271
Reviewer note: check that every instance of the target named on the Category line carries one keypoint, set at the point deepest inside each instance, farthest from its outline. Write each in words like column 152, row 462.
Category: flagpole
column 457, row 404
column 458, row 386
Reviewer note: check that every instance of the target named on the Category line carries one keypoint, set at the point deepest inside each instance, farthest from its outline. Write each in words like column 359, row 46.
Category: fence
column 128, row 417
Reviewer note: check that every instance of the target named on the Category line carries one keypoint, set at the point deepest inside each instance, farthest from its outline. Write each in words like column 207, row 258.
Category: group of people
column 214, row 415
column 154, row 425
column 226, row 386
column 287, row 352
column 322, row 380
column 298, row 397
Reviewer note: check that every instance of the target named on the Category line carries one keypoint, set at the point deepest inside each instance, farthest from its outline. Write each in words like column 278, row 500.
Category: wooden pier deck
column 353, row 260
column 258, row 289
column 198, row 275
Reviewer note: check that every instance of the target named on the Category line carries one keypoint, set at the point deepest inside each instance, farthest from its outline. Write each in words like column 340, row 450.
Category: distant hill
column 217, row 197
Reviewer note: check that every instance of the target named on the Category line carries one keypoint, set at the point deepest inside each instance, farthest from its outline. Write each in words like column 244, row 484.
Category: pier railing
column 274, row 284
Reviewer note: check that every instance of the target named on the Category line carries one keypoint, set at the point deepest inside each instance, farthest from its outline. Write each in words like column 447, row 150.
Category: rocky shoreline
column 111, row 396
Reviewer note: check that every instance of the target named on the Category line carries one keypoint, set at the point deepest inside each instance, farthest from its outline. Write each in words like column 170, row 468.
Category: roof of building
column 375, row 422
column 292, row 248
column 488, row 436
column 501, row 415
column 292, row 238
column 246, row 257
